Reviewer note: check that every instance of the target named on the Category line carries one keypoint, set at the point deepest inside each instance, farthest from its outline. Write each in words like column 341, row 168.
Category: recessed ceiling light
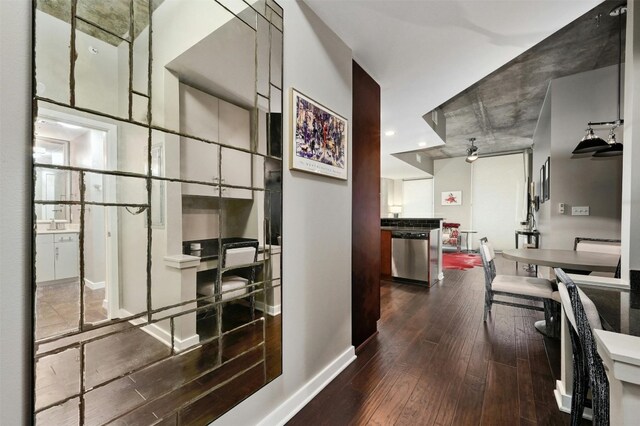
column 422, row 144
column 390, row 133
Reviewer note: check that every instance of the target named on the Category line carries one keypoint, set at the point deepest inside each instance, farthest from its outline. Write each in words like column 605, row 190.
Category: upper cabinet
column 222, row 126
column 235, row 125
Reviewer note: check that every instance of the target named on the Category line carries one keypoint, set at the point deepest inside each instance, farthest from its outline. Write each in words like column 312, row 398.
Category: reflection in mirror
column 158, row 202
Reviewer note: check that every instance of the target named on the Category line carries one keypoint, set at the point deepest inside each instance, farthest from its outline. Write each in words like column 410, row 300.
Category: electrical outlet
column 580, row 211
column 561, row 208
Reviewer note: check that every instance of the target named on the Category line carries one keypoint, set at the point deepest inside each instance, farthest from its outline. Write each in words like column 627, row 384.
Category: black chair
column 588, row 369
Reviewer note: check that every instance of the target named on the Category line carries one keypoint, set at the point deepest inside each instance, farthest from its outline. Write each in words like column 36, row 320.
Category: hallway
column 434, row 361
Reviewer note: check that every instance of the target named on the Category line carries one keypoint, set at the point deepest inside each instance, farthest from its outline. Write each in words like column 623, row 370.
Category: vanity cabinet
column 56, row 256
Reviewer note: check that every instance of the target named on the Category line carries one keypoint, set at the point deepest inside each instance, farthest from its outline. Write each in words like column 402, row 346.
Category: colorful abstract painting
column 319, row 138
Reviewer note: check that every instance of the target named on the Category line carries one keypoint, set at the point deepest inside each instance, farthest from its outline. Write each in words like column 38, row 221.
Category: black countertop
column 409, row 224
column 210, row 247
column 612, row 311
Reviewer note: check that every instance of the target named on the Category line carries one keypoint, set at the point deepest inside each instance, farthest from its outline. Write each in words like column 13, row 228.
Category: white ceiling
column 424, row 52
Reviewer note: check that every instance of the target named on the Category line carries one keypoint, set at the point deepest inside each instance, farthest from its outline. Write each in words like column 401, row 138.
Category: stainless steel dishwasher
column 410, row 256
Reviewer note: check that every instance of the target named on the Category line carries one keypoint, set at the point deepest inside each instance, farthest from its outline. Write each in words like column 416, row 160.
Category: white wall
column 316, row 259
column 15, row 214
column 596, row 183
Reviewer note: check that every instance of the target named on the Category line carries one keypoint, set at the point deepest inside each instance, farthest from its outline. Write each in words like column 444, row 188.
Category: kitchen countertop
column 408, row 229
column 57, row 231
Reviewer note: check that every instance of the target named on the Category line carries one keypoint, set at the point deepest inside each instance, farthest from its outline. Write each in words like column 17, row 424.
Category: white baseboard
column 272, row 310
column 298, row 400
column 162, row 335
column 563, row 399
column 94, row 286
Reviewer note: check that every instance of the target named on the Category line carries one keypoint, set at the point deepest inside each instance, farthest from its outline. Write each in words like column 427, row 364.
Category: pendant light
column 614, row 148
column 472, row 152
column 590, row 143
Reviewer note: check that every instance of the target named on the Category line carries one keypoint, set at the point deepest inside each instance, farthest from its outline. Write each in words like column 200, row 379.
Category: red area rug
column 460, row 261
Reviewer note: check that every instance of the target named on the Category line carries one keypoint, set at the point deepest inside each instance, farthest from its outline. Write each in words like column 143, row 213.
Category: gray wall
column 542, row 150
column 452, row 174
column 575, row 100
column 15, row 214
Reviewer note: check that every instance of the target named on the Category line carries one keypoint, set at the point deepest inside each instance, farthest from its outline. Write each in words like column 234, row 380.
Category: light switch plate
column 580, row 211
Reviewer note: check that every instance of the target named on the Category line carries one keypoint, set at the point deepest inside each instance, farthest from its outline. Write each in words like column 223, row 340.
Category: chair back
column 488, row 255
column 237, row 254
column 597, row 245
column 574, row 303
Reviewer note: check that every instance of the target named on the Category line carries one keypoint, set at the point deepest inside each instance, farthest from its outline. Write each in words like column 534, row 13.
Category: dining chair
column 236, row 273
column 588, row 369
column 597, row 245
column 513, row 286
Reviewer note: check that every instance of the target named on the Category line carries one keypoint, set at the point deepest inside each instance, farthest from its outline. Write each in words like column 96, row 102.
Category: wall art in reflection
column 319, row 138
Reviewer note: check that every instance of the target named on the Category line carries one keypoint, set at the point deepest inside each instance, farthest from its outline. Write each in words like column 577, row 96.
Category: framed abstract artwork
column 452, row 198
column 319, row 138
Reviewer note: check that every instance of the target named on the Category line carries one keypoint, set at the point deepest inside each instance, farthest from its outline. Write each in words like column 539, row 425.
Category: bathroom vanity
column 57, row 257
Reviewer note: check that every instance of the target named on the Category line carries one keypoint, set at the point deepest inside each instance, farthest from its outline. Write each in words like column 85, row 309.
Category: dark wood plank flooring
column 435, row 362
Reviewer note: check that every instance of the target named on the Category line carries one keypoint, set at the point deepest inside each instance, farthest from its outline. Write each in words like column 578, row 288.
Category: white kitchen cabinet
column 234, row 125
column 56, row 256
column 199, row 162
column 236, row 170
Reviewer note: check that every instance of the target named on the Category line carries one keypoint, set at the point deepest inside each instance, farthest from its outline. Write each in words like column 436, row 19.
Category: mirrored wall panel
column 157, row 182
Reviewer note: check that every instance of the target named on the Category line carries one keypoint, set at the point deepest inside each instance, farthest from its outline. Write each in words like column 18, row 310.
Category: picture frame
column 547, row 179
column 451, row 198
column 319, row 138
column 542, row 184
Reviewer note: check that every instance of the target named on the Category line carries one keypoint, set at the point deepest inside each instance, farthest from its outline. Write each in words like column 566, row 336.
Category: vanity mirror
column 157, row 208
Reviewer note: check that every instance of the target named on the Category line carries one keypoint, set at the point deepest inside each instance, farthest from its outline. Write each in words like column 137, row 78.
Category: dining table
column 618, row 342
column 567, row 259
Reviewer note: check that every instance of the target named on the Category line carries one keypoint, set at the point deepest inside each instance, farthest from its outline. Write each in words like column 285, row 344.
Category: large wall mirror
column 157, row 158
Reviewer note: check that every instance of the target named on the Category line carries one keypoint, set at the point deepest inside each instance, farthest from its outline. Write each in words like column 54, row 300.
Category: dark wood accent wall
column 385, row 254
column 365, row 269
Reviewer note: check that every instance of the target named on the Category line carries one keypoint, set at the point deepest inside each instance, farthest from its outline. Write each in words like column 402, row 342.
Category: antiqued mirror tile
column 57, row 377
column 132, row 217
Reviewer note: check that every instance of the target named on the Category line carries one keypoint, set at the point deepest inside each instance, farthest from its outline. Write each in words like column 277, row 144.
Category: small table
column 466, row 240
column 531, row 236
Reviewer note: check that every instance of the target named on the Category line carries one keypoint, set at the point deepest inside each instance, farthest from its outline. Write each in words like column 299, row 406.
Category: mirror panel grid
column 157, row 154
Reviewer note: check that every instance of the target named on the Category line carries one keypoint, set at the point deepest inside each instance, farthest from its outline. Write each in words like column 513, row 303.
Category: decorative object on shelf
column 396, row 210
column 591, row 142
column 472, row 151
column 452, row 198
column 319, row 138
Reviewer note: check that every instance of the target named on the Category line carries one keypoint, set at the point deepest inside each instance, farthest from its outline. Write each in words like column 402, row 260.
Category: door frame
column 112, row 285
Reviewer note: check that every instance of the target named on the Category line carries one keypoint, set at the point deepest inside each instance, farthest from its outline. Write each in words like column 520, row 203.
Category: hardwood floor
column 435, row 362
